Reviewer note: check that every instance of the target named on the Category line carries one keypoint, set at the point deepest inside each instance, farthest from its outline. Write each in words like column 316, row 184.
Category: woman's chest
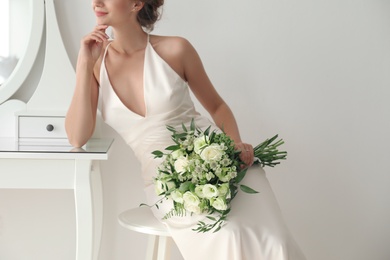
column 126, row 75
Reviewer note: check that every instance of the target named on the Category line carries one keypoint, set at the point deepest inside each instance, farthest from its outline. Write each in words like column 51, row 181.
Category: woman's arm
column 81, row 116
column 207, row 95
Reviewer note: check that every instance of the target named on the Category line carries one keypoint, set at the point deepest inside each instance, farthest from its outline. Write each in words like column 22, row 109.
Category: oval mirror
column 21, row 39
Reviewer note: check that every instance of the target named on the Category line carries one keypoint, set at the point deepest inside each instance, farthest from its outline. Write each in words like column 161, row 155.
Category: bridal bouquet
column 201, row 173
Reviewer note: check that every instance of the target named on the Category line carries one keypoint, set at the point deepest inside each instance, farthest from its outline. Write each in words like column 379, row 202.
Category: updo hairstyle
column 150, row 13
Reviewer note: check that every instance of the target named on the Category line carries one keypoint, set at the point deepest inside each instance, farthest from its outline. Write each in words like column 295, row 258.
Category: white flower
column 233, row 174
column 199, row 191
column 209, row 176
column 177, row 153
column 214, row 165
column 225, row 161
column 210, row 191
column 224, row 190
column 198, row 169
column 212, row 152
column 219, row 203
column 200, row 142
column 177, row 196
column 191, row 202
column 180, row 164
column 223, row 175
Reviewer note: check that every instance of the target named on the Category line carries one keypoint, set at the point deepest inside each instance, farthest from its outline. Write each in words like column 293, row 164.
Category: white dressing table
column 34, row 151
column 59, row 166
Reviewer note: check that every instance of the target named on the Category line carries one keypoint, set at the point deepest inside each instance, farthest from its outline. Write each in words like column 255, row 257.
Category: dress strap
column 105, row 51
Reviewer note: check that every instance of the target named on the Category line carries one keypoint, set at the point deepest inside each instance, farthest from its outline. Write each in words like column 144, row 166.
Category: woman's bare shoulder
column 170, row 45
column 174, row 50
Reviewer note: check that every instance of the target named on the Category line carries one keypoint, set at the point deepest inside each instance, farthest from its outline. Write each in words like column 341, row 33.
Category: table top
column 95, row 148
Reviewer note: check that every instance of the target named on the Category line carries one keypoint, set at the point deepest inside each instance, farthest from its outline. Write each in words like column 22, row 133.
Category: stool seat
column 142, row 220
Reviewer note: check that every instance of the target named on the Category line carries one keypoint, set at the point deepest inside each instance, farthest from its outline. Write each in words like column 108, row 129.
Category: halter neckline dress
column 255, row 229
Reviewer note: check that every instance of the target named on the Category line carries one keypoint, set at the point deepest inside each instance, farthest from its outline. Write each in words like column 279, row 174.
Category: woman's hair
column 150, row 13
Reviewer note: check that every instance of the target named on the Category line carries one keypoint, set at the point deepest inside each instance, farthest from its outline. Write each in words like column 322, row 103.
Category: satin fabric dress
column 255, row 229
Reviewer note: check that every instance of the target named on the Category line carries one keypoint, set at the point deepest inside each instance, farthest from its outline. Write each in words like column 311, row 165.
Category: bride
column 144, row 83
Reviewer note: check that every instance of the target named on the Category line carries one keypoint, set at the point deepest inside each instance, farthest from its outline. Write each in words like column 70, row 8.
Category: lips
column 100, row 14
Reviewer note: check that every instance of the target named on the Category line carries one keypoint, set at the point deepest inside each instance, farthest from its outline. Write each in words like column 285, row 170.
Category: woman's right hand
column 92, row 43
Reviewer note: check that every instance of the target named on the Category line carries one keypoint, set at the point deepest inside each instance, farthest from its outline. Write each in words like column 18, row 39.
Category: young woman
column 144, row 83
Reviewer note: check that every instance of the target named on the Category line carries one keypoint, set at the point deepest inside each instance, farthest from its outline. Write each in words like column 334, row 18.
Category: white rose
column 177, row 196
column 200, row 142
column 177, row 153
column 193, row 208
column 219, row 204
column 181, row 164
column 191, row 202
column 210, row 191
column 212, row 152
column 199, row 191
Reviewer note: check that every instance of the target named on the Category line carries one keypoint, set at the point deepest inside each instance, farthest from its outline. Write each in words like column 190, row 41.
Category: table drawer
column 42, row 127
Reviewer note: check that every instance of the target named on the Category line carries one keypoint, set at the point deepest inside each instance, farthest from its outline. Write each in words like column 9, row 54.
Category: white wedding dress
column 255, row 229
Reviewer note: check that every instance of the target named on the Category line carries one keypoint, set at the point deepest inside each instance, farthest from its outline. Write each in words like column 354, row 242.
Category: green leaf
column 171, row 128
column 246, row 189
column 212, row 218
column 173, row 148
column 184, row 127
column 192, row 127
column 191, row 187
column 180, row 135
column 185, row 186
column 240, row 175
column 207, row 131
column 158, row 154
column 218, row 228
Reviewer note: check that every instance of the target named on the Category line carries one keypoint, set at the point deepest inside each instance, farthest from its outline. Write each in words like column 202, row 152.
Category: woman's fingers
column 91, row 44
column 247, row 154
column 96, row 35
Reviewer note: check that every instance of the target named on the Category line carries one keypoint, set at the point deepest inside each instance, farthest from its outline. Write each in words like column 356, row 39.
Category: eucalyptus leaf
column 158, row 154
column 192, row 127
column 173, row 147
column 211, row 218
column 240, row 175
column 184, row 127
column 247, row 189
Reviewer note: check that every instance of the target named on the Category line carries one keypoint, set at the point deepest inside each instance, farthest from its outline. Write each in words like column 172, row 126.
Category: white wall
column 316, row 72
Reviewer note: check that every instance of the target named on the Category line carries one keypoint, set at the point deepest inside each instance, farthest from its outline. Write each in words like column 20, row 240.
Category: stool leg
column 151, row 250
column 164, row 248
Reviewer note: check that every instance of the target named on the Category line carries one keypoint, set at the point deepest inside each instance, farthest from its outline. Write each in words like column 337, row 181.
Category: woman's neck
column 129, row 39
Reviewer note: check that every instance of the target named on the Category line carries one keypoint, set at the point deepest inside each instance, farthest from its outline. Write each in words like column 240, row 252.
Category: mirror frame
column 24, row 65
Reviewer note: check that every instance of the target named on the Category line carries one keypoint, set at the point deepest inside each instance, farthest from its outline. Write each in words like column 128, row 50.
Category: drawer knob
column 49, row 127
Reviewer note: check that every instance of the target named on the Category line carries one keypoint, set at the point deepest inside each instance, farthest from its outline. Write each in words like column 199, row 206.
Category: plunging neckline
column 147, row 52
column 143, row 83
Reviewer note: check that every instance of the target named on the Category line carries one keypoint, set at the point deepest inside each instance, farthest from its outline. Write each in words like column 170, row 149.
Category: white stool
column 142, row 220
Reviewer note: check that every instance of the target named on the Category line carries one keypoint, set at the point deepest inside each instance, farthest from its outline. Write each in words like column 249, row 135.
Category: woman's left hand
column 247, row 154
